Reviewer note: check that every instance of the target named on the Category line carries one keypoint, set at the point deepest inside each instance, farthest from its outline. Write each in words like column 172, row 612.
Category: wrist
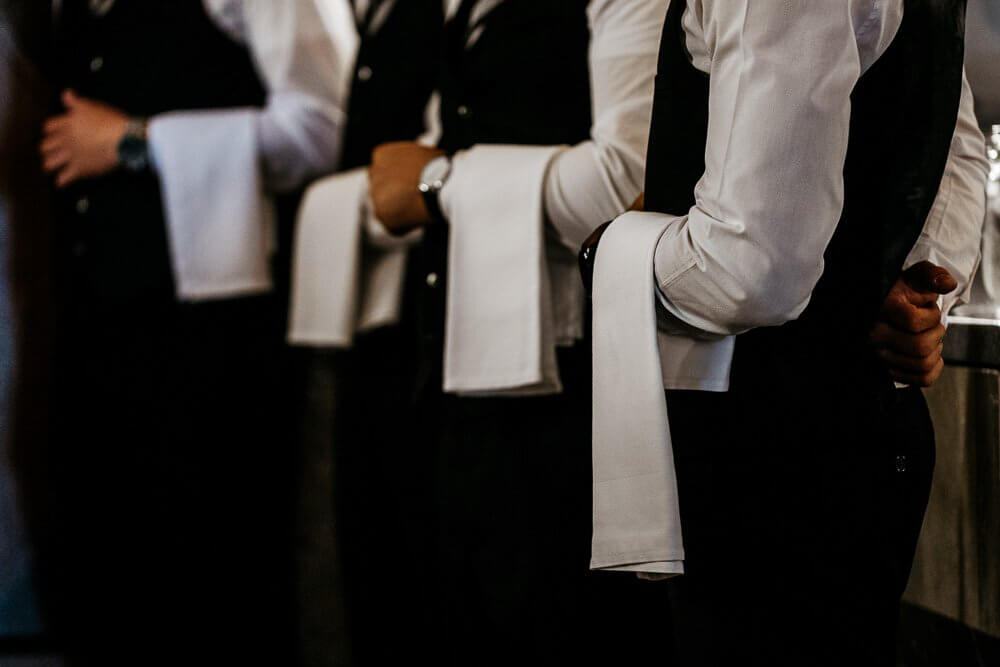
column 133, row 147
column 432, row 180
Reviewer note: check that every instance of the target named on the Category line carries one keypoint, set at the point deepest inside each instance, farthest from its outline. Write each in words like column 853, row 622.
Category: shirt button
column 82, row 205
column 463, row 111
column 365, row 73
column 900, row 463
column 432, row 279
column 96, row 64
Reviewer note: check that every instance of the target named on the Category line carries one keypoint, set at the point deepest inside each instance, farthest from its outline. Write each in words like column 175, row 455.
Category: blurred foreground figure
column 800, row 158
column 376, row 523
column 179, row 121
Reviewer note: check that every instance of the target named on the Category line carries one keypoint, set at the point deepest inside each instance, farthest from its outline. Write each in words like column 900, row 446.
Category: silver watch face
column 435, row 173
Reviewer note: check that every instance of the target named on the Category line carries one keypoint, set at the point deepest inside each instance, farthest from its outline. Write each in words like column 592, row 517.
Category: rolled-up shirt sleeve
column 951, row 237
column 596, row 180
column 750, row 251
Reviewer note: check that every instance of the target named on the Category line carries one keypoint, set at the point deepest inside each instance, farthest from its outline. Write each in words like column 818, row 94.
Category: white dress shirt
column 218, row 167
column 750, row 251
column 525, row 211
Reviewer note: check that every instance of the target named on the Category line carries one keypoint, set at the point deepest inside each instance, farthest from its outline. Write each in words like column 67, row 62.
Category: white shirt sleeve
column 750, row 251
column 596, row 180
column 305, row 67
column 217, row 167
column 951, row 236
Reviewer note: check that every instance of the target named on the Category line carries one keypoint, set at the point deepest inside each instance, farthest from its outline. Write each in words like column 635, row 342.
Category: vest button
column 79, row 249
column 82, row 205
column 96, row 64
column 365, row 73
column 432, row 279
column 900, row 463
column 463, row 110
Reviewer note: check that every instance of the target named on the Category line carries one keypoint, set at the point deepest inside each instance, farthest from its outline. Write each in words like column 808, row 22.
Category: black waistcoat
column 904, row 111
column 525, row 80
column 395, row 72
column 144, row 57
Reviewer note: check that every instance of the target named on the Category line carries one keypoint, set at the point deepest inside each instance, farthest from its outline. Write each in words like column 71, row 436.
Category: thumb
column 70, row 99
column 927, row 277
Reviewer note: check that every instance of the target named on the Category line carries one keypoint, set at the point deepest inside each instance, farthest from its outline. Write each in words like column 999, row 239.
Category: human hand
column 909, row 335
column 393, row 179
column 83, row 142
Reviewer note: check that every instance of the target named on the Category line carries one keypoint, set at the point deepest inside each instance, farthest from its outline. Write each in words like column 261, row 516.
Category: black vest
column 144, row 57
column 525, row 80
column 395, row 72
column 904, row 111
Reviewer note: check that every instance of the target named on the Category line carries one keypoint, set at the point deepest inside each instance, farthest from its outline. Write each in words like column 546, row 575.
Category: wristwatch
column 432, row 179
column 133, row 149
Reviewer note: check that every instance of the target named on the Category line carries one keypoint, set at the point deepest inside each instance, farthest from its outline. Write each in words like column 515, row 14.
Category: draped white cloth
column 217, row 169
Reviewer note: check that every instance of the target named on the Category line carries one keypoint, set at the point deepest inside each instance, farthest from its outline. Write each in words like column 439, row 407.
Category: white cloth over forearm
column 341, row 286
column 637, row 523
column 216, row 178
column 499, row 330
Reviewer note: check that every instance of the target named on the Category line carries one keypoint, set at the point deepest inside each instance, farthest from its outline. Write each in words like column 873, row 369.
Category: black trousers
column 168, row 533
column 465, row 523
column 514, row 528
column 802, row 493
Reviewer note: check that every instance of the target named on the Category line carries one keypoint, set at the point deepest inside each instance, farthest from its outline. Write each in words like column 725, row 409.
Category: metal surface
column 957, row 569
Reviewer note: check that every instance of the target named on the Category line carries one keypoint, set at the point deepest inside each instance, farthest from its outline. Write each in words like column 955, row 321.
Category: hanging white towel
column 499, row 336
column 340, row 285
column 220, row 223
column 636, row 513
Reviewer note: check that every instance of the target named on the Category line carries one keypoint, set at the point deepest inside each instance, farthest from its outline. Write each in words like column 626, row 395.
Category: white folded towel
column 340, row 285
column 637, row 524
column 500, row 335
column 220, row 223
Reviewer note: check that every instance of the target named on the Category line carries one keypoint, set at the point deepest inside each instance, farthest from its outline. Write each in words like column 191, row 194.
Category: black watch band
column 133, row 149
column 432, row 180
column 433, row 203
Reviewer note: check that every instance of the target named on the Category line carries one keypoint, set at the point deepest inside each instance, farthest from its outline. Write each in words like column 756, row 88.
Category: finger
column 55, row 124
column 906, row 364
column 50, row 144
column 639, row 204
column 928, row 277
column 919, row 379
column 67, row 176
column 55, row 161
column 906, row 316
column 69, row 98
column 911, row 345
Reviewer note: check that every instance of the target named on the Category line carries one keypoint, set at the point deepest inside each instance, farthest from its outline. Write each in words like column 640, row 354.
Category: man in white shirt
column 170, row 473
column 544, row 107
column 800, row 158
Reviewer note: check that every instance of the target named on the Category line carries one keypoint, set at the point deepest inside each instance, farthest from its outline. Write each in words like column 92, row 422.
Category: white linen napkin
column 340, row 285
column 636, row 517
column 499, row 334
column 220, row 223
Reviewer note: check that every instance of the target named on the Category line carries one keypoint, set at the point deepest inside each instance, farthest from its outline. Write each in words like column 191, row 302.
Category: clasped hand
column 393, row 179
column 82, row 142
